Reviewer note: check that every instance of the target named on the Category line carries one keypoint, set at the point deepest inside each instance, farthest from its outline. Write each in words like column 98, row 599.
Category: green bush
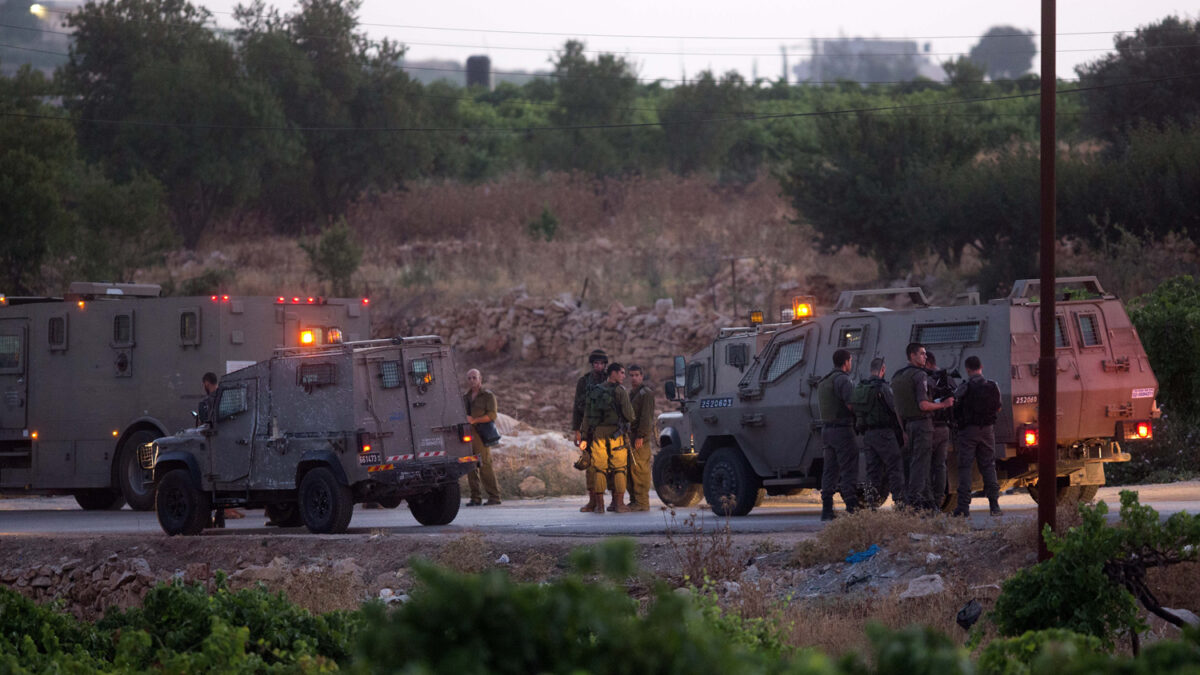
column 1168, row 322
column 335, row 256
column 1015, row 656
column 544, row 226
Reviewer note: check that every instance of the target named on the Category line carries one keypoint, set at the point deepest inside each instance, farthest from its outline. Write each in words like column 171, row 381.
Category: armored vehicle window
column 1061, row 341
column 123, row 330
column 946, row 333
column 737, row 355
column 56, row 333
column 851, row 338
column 421, row 371
column 1089, row 330
column 189, row 327
column 315, row 375
column 787, row 356
column 389, row 372
column 233, row 401
column 10, row 352
column 695, row 378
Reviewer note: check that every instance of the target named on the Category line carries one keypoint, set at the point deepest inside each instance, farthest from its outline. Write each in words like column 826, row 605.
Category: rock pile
column 88, row 590
column 533, row 462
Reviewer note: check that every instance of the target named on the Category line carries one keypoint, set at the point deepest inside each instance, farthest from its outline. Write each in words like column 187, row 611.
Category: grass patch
column 890, row 529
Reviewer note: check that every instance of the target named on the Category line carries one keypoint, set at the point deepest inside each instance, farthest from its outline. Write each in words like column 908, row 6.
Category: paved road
column 549, row 517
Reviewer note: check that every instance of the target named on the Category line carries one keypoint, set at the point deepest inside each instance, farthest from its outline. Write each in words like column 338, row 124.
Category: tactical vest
column 602, row 406
column 904, row 390
column 980, row 403
column 870, row 410
column 832, row 408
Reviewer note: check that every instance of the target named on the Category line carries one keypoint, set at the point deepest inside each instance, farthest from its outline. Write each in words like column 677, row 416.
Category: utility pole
column 783, row 51
column 1047, row 363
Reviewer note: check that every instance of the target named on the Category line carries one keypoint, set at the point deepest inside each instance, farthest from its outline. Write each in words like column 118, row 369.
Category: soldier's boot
column 591, row 505
column 851, row 503
column 618, row 498
column 995, row 507
column 826, row 508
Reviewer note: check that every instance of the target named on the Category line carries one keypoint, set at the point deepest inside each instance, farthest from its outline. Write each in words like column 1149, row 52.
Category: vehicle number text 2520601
column 370, row 458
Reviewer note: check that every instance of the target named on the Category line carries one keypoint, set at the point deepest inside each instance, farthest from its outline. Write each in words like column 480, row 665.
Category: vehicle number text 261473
column 370, row 458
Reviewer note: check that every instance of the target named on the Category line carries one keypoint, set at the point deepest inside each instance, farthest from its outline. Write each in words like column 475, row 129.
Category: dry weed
column 889, row 529
column 703, row 557
column 536, row 567
column 1177, row 585
column 467, row 554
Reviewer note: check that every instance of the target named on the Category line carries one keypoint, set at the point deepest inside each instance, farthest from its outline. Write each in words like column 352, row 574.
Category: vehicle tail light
column 1141, row 430
column 1144, row 430
column 364, row 441
column 464, row 433
column 1029, row 438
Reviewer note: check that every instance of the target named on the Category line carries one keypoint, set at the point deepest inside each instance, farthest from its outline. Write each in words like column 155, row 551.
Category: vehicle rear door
column 14, row 387
column 434, row 403
column 231, row 443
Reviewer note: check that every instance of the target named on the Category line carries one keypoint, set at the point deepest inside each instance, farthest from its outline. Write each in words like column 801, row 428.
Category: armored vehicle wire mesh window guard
column 56, row 333
column 421, row 371
column 1061, row 340
column 947, row 333
column 315, row 375
column 233, row 401
column 389, row 373
column 1089, row 330
column 123, row 330
column 10, row 352
column 737, row 355
column 189, row 328
column 851, row 338
column 786, row 357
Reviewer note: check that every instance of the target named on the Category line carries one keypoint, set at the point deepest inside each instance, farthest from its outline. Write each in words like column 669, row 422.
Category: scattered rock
column 931, row 558
column 533, row 486
column 1187, row 616
column 929, row 584
column 732, row 588
column 503, row 559
column 751, row 574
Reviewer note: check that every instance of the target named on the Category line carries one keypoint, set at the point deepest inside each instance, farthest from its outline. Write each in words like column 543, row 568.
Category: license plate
column 370, row 458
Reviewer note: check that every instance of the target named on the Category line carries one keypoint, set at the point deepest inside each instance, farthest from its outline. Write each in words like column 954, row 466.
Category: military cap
column 598, row 355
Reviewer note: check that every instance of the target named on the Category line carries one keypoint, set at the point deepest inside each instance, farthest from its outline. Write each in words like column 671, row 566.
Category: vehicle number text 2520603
column 370, row 458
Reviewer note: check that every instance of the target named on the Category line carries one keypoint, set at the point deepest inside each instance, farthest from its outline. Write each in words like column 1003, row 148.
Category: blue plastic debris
column 862, row 555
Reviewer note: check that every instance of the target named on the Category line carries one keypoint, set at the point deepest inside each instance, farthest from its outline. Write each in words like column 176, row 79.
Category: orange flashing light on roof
column 803, row 307
column 307, row 337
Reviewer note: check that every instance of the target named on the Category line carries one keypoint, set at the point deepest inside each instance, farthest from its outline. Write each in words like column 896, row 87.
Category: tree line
column 159, row 126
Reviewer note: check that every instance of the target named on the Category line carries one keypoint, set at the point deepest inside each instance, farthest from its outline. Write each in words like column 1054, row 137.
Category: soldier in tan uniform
column 481, row 407
column 605, row 422
column 641, row 434
column 597, row 362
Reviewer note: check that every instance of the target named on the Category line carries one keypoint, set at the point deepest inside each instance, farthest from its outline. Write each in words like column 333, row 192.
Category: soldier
column 597, row 360
column 875, row 414
column 837, row 433
column 481, row 408
column 642, row 436
column 979, row 402
column 941, row 384
column 605, row 422
column 208, row 405
column 910, row 385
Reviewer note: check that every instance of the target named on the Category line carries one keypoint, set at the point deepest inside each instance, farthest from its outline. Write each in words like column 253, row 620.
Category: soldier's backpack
column 601, row 406
column 979, row 404
column 870, row 411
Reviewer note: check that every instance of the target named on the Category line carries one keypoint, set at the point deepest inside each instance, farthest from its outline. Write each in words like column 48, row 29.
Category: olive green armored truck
column 309, row 433
column 89, row 376
column 748, row 419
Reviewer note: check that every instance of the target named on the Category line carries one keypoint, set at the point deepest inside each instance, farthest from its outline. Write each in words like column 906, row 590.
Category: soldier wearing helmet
column 597, row 362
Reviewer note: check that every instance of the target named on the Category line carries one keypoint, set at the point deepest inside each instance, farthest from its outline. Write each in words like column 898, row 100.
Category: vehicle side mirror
column 680, row 372
column 670, row 387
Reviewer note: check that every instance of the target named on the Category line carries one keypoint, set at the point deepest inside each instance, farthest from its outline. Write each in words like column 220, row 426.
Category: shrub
column 335, row 256
column 544, row 226
column 1168, row 322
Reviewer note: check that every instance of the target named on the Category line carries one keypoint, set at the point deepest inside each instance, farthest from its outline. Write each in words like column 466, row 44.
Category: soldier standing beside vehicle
column 641, row 433
column 597, row 361
column 979, row 402
column 941, row 385
column 875, row 415
column 208, row 405
column 840, row 469
column 481, row 408
column 605, row 421
column 910, row 385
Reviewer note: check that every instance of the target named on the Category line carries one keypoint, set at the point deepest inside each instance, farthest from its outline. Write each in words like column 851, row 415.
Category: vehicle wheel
column 1065, row 494
column 182, row 509
column 283, row 514
column 389, row 502
column 730, row 486
column 325, row 504
column 671, row 480
column 130, row 474
column 99, row 499
column 437, row 507
column 1087, row 493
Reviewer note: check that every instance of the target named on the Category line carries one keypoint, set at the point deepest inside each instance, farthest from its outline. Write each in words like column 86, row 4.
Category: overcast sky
column 668, row 39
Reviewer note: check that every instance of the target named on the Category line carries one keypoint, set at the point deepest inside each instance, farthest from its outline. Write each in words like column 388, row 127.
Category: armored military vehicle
column 748, row 419
column 309, row 433
column 88, row 376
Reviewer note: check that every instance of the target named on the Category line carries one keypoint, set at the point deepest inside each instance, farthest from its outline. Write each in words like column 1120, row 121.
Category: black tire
column 1064, row 494
column 139, row 495
column 436, row 507
column 99, row 499
column 325, row 504
column 182, row 509
column 283, row 514
column 671, row 480
column 389, row 502
column 730, row 486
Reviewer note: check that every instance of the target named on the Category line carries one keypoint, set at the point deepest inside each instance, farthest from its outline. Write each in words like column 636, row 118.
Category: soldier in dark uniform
column 940, row 385
column 979, row 401
column 481, row 407
column 208, row 405
column 875, row 408
column 840, row 466
column 605, row 419
column 910, row 385
column 597, row 361
column 641, row 432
